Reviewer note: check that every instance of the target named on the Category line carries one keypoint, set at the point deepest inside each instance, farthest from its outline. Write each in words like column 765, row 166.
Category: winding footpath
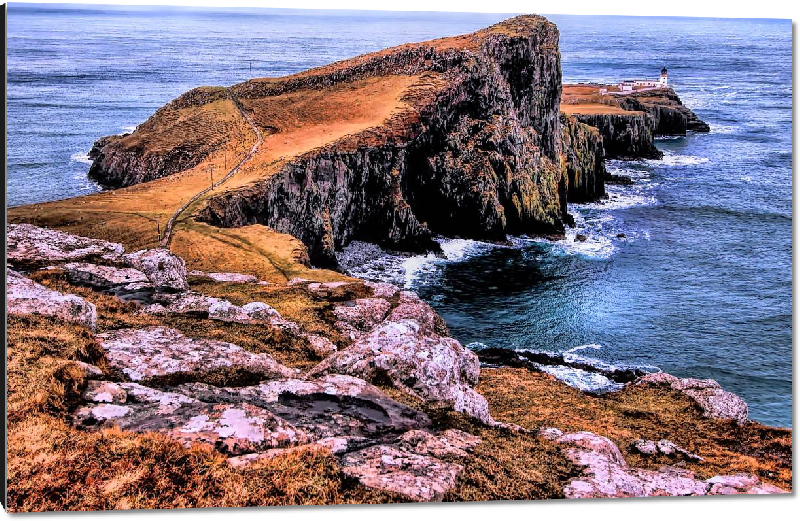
column 165, row 240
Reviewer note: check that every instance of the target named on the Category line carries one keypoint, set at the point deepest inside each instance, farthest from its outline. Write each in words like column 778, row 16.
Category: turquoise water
column 699, row 286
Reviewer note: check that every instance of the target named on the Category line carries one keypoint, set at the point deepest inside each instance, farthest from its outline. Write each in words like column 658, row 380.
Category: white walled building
column 632, row 85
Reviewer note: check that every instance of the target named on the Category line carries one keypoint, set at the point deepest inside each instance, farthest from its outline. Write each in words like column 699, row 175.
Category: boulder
column 332, row 290
column 320, row 345
column 437, row 369
column 411, row 307
column 25, row 297
column 162, row 267
column 146, row 354
column 237, row 278
column 32, row 244
column 382, row 289
column 188, row 302
column 394, row 469
column 663, row 447
column 714, row 401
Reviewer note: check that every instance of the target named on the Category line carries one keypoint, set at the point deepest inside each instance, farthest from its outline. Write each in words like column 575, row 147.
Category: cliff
column 471, row 149
column 584, row 159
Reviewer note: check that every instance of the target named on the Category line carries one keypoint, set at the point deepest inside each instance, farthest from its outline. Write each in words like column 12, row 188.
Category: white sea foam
column 673, row 159
column 724, row 129
column 81, row 157
column 129, row 128
column 586, row 381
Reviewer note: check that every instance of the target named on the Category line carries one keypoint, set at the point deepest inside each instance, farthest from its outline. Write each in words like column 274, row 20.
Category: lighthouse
column 663, row 80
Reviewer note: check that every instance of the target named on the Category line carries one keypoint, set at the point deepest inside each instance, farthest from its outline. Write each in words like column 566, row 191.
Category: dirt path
column 260, row 139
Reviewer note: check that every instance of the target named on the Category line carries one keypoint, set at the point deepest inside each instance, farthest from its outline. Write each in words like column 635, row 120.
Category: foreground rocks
column 147, row 354
column 25, row 297
column 34, row 245
column 715, row 401
column 607, row 474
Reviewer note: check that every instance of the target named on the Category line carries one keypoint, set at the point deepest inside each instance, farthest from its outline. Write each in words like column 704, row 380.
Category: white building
column 632, row 85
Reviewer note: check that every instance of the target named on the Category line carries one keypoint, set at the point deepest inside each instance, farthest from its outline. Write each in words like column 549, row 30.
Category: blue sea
column 700, row 283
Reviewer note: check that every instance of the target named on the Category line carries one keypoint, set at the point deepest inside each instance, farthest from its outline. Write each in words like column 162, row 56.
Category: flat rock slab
column 25, row 297
column 85, row 273
column 146, row 354
column 335, row 406
column 715, row 401
column 607, row 474
column 32, row 244
column 230, row 428
column 237, row 278
column 394, row 469
column 435, row 368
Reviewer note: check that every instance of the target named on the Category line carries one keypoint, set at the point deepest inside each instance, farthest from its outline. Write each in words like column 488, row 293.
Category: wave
column 129, row 128
column 81, row 157
column 672, row 159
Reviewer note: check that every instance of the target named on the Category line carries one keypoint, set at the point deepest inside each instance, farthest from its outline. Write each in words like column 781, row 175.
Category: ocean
column 700, row 283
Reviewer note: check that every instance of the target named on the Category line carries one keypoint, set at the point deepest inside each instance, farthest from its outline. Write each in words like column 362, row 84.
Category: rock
column 646, row 447
column 162, row 267
column 335, row 406
column 31, row 244
column 550, row 433
column 333, row 290
column 320, row 346
column 25, row 297
column 580, row 237
column 741, row 484
column 187, row 302
column 621, row 236
column 384, row 467
column 411, row 307
column 261, row 312
column 146, row 354
column 616, row 179
column 435, row 368
column 238, row 278
column 231, row 429
column 710, row 396
column 452, row 442
column 104, row 392
column 607, row 474
column 85, row 273
column 360, row 316
column 382, row 289
column 227, row 312
column 335, row 446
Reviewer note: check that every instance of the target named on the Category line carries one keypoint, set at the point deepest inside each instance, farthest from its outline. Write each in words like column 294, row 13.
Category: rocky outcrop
column 25, row 297
column 670, row 116
column 435, row 368
column 34, row 246
column 715, row 401
column 625, row 136
column 162, row 267
column 584, row 160
column 160, row 353
column 607, row 474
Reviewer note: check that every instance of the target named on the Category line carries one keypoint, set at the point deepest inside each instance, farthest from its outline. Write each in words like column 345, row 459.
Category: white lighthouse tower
column 663, row 80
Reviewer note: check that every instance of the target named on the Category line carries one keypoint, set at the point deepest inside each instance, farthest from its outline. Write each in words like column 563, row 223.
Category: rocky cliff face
column 625, row 136
column 670, row 116
column 477, row 157
column 584, row 161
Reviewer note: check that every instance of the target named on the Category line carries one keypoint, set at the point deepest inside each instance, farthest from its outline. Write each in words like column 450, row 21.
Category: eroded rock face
column 584, row 159
column 25, row 297
column 436, row 368
column 162, row 267
column 147, row 354
column 607, row 474
column 391, row 468
column 715, row 401
column 359, row 316
column 625, row 136
column 34, row 245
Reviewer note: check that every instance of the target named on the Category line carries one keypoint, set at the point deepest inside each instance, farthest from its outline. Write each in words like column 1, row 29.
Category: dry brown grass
column 536, row 400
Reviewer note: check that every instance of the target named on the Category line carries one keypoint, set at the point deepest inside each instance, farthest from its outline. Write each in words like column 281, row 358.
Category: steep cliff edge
column 584, row 160
column 470, row 147
column 475, row 153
